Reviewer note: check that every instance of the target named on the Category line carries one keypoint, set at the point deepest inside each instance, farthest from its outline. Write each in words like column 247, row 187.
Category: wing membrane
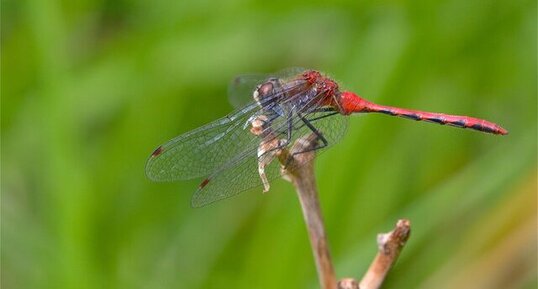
column 226, row 151
column 241, row 173
column 241, row 87
column 199, row 152
column 202, row 151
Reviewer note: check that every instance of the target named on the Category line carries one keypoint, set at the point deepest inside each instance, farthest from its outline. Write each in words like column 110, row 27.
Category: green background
column 90, row 88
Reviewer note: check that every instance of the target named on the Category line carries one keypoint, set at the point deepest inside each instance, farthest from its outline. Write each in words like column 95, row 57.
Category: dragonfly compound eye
column 263, row 90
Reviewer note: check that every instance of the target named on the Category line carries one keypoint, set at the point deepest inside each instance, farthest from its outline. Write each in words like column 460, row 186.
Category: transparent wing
column 202, row 151
column 199, row 152
column 241, row 87
column 227, row 151
column 241, row 174
column 236, row 177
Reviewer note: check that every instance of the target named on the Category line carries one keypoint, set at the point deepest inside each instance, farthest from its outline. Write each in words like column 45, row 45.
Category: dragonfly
column 239, row 151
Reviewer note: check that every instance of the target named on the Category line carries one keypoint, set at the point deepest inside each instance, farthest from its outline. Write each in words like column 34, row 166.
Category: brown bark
column 298, row 163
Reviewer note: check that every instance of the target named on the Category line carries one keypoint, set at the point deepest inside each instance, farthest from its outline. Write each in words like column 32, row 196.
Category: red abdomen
column 352, row 103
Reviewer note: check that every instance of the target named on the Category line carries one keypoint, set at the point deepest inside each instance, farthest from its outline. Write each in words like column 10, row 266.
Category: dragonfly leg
column 318, row 134
column 268, row 149
column 327, row 111
column 263, row 161
column 324, row 109
column 290, row 128
column 285, row 141
column 323, row 116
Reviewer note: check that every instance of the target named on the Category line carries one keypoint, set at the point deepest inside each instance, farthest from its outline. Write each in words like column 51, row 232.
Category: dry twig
column 300, row 171
column 390, row 245
column 299, row 165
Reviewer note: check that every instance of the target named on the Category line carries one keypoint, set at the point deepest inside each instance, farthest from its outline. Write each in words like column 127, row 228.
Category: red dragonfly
column 236, row 153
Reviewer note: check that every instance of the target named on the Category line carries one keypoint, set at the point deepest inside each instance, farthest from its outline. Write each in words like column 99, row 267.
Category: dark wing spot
column 203, row 184
column 157, row 152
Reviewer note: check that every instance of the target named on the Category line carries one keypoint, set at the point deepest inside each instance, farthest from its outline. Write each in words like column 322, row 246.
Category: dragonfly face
column 266, row 89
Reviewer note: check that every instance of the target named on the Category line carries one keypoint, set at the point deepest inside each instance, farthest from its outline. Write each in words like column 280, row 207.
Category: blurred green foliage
column 89, row 88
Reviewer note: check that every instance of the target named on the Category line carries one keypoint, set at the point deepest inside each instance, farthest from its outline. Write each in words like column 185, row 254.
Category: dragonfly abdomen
column 445, row 119
column 352, row 103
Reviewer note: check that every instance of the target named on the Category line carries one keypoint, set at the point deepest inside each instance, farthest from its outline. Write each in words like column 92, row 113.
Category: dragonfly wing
column 332, row 127
column 227, row 151
column 234, row 178
column 241, row 87
column 242, row 173
column 201, row 151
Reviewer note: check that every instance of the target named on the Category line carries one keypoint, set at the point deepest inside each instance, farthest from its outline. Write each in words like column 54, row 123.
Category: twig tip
column 348, row 283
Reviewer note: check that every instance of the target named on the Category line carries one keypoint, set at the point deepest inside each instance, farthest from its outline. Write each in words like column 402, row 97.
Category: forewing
column 201, row 151
column 241, row 87
column 234, row 178
column 242, row 174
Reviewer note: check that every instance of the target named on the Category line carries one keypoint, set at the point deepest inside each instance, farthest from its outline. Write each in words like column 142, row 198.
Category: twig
column 300, row 170
column 348, row 283
column 390, row 245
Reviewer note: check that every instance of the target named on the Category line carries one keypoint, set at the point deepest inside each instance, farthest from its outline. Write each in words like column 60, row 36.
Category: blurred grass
column 89, row 88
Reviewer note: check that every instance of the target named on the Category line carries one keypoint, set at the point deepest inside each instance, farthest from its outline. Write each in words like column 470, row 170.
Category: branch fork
column 298, row 168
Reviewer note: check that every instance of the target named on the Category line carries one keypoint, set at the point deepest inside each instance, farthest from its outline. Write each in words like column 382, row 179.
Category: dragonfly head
column 265, row 89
